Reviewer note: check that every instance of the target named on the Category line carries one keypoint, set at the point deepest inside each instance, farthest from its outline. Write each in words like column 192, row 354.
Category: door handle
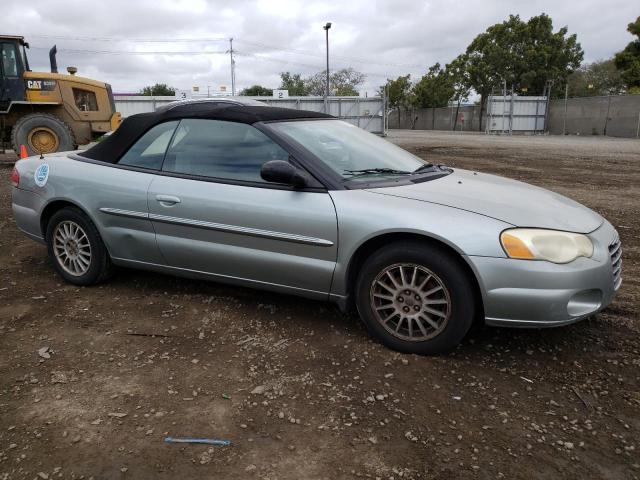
column 167, row 200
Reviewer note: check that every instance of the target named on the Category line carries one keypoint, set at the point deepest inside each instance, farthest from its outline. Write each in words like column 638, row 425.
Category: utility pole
column 233, row 68
column 326, row 29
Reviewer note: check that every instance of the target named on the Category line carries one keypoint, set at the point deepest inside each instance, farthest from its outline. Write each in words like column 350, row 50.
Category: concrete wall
column 436, row 118
column 584, row 116
column 588, row 116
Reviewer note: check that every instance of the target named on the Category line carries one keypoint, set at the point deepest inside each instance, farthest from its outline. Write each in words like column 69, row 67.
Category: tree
column 159, row 89
column 597, row 78
column 345, row 82
column 460, row 82
column 434, row 89
column 628, row 60
column 398, row 91
column 459, row 78
column 524, row 55
column 342, row 82
column 398, row 94
column 293, row 83
column 317, row 84
column 257, row 91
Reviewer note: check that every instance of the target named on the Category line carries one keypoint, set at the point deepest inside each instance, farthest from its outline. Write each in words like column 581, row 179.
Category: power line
column 309, row 53
column 359, row 60
column 133, row 52
column 307, row 65
column 127, row 39
column 255, row 55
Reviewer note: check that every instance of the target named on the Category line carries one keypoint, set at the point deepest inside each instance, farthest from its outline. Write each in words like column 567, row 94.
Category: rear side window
column 149, row 150
column 219, row 149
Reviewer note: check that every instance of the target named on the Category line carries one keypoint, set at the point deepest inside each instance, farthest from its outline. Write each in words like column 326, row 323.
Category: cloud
column 383, row 39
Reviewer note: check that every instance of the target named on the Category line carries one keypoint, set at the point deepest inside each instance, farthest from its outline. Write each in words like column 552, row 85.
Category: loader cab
column 13, row 64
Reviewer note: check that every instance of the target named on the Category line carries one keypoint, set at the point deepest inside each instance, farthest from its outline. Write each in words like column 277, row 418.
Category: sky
column 185, row 43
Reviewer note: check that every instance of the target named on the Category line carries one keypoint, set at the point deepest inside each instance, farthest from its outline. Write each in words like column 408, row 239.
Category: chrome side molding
column 220, row 227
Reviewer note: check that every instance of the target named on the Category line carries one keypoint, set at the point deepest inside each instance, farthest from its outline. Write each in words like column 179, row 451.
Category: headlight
column 550, row 245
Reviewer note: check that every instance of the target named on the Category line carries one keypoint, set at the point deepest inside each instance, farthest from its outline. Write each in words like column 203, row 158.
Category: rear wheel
column 42, row 133
column 415, row 298
column 76, row 249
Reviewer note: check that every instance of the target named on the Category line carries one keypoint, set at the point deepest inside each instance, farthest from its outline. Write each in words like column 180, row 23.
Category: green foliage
column 597, row 78
column 434, row 89
column 398, row 91
column 628, row 60
column 159, row 89
column 294, row 83
column 344, row 82
column 459, row 78
column 257, row 91
column 316, row 84
column 524, row 54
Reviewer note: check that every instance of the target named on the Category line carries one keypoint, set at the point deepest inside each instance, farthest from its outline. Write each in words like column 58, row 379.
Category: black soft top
column 133, row 127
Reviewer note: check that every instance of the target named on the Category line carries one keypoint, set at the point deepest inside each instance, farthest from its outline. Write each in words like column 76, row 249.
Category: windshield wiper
column 424, row 168
column 365, row 171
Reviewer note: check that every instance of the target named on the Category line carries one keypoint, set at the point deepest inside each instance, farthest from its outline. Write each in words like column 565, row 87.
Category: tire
column 85, row 270
column 55, row 135
column 426, row 320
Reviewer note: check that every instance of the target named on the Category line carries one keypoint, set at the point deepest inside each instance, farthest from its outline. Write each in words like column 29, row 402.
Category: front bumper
column 525, row 293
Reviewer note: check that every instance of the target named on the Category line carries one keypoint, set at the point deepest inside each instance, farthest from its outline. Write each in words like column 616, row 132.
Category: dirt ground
column 299, row 389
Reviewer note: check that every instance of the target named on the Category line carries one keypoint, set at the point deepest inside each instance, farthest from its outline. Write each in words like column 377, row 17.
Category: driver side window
column 221, row 149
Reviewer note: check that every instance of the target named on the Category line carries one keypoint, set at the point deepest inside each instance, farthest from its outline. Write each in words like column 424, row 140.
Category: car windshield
column 353, row 153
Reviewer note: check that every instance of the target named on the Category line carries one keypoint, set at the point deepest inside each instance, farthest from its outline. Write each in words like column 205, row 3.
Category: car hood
column 511, row 201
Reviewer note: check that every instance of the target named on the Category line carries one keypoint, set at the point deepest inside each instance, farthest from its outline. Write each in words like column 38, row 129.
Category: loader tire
column 42, row 133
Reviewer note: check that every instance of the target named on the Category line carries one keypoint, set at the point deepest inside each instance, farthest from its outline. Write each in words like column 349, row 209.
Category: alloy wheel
column 71, row 248
column 410, row 302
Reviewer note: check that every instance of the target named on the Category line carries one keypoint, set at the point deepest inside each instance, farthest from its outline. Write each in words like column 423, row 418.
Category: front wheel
column 76, row 249
column 415, row 298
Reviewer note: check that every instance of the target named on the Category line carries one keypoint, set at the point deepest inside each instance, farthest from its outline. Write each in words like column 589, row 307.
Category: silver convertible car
column 303, row 203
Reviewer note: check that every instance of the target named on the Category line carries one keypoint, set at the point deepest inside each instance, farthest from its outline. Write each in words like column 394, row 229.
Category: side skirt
column 243, row 282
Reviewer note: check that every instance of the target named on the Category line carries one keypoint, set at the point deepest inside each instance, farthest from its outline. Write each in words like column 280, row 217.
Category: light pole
column 326, row 29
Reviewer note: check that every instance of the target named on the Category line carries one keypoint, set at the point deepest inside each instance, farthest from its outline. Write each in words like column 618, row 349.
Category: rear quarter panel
column 27, row 200
column 91, row 186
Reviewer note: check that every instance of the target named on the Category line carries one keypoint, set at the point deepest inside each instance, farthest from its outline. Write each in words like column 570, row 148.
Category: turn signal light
column 15, row 177
column 515, row 247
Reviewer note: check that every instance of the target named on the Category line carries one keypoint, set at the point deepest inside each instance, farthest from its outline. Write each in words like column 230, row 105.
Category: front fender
column 363, row 215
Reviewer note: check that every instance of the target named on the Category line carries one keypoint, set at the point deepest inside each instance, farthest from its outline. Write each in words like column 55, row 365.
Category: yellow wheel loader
column 49, row 112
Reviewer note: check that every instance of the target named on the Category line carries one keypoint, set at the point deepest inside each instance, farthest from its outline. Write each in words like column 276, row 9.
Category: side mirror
column 279, row 171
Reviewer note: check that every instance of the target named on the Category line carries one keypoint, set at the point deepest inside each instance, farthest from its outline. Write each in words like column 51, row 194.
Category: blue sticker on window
column 41, row 175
